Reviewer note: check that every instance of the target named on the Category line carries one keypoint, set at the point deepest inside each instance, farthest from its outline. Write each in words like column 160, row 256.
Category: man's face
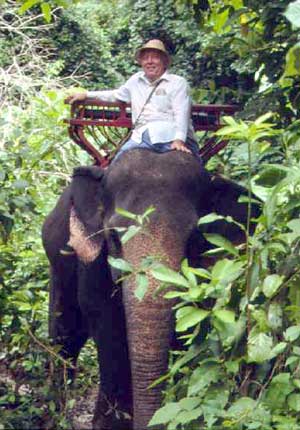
column 153, row 64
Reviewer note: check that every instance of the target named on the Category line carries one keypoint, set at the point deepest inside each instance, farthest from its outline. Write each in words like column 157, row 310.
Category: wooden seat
column 98, row 126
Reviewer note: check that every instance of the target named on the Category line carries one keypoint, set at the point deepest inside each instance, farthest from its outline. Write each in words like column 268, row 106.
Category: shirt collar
column 165, row 76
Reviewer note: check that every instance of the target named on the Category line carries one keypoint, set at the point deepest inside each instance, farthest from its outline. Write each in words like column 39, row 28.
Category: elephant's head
column 174, row 183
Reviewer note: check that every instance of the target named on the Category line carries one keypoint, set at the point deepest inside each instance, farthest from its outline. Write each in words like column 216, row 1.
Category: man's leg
column 130, row 144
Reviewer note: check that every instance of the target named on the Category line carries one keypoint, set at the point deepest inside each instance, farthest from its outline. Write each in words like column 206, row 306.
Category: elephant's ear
column 225, row 199
column 86, row 214
column 226, row 196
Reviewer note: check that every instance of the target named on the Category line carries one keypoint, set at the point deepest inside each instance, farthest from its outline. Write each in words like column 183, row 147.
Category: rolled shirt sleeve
column 181, row 104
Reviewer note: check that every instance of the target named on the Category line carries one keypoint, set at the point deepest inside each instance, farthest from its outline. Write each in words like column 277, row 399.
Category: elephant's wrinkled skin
column 133, row 337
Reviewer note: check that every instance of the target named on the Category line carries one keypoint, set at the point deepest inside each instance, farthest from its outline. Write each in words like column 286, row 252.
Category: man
column 160, row 103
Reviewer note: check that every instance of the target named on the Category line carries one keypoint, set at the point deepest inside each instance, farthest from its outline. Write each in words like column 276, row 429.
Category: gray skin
column 133, row 337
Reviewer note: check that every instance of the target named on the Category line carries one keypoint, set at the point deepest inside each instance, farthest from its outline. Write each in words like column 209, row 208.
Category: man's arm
column 120, row 94
column 181, row 104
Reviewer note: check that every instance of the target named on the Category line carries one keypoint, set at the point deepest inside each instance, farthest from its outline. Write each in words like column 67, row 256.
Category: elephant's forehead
column 142, row 163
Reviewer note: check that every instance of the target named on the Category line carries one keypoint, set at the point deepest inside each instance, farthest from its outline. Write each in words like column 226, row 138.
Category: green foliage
column 87, row 43
column 45, row 6
column 239, row 317
column 36, row 159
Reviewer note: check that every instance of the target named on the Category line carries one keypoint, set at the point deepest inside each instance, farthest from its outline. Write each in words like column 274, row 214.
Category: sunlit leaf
column 221, row 242
column 224, row 315
column 275, row 314
column 262, row 119
column 188, row 273
column 27, row 5
column 142, row 286
column 292, row 13
column 210, row 218
column 188, row 316
column 130, row 233
column 294, row 402
column 120, row 264
column 242, row 407
column 271, row 284
column 292, row 333
column 46, row 10
column 292, row 67
column 202, row 273
column 278, row 349
column 259, row 347
column 165, row 414
column 126, row 213
column 167, row 275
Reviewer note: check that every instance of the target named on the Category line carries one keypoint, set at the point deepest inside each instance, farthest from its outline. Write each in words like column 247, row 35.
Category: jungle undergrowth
column 240, row 369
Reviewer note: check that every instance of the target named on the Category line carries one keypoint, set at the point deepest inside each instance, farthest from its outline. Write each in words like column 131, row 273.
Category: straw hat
column 158, row 46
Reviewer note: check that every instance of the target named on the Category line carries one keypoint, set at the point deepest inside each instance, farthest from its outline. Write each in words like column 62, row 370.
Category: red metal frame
column 95, row 113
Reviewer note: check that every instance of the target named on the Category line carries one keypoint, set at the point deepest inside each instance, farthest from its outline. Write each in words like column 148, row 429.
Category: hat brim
column 164, row 54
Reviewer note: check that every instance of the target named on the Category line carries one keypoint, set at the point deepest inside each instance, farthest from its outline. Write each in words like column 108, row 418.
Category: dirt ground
column 81, row 414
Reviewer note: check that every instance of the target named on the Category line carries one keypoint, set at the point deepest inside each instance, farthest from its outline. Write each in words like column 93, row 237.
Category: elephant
column 133, row 337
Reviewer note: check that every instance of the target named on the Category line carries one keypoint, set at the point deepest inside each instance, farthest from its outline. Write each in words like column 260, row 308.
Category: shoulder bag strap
column 128, row 135
column 145, row 104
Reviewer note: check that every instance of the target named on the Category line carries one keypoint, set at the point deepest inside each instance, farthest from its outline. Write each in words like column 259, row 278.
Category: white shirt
column 167, row 115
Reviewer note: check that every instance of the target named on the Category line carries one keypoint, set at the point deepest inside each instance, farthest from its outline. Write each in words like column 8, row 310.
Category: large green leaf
column 292, row 333
column 120, row 264
column 279, row 349
column 294, row 402
column 169, row 276
column 242, row 407
column 275, row 314
column 189, row 355
column 210, row 218
column 222, row 242
column 224, row 315
column 280, row 387
column 185, row 417
column 130, row 233
column 189, row 403
column 189, row 316
column 292, row 13
column 271, row 284
column 27, row 5
column 188, row 273
column 250, row 412
column 126, row 214
column 292, row 67
column 225, row 271
column 46, row 10
column 141, row 286
column 214, row 402
column 259, row 347
column 202, row 377
column 165, row 414
column 202, row 273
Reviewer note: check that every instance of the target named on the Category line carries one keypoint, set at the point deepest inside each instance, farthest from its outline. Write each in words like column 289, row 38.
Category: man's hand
column 77, row 97
column 179, row 145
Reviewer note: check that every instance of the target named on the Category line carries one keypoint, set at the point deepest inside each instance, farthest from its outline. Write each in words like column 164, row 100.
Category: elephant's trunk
column 149, row 322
